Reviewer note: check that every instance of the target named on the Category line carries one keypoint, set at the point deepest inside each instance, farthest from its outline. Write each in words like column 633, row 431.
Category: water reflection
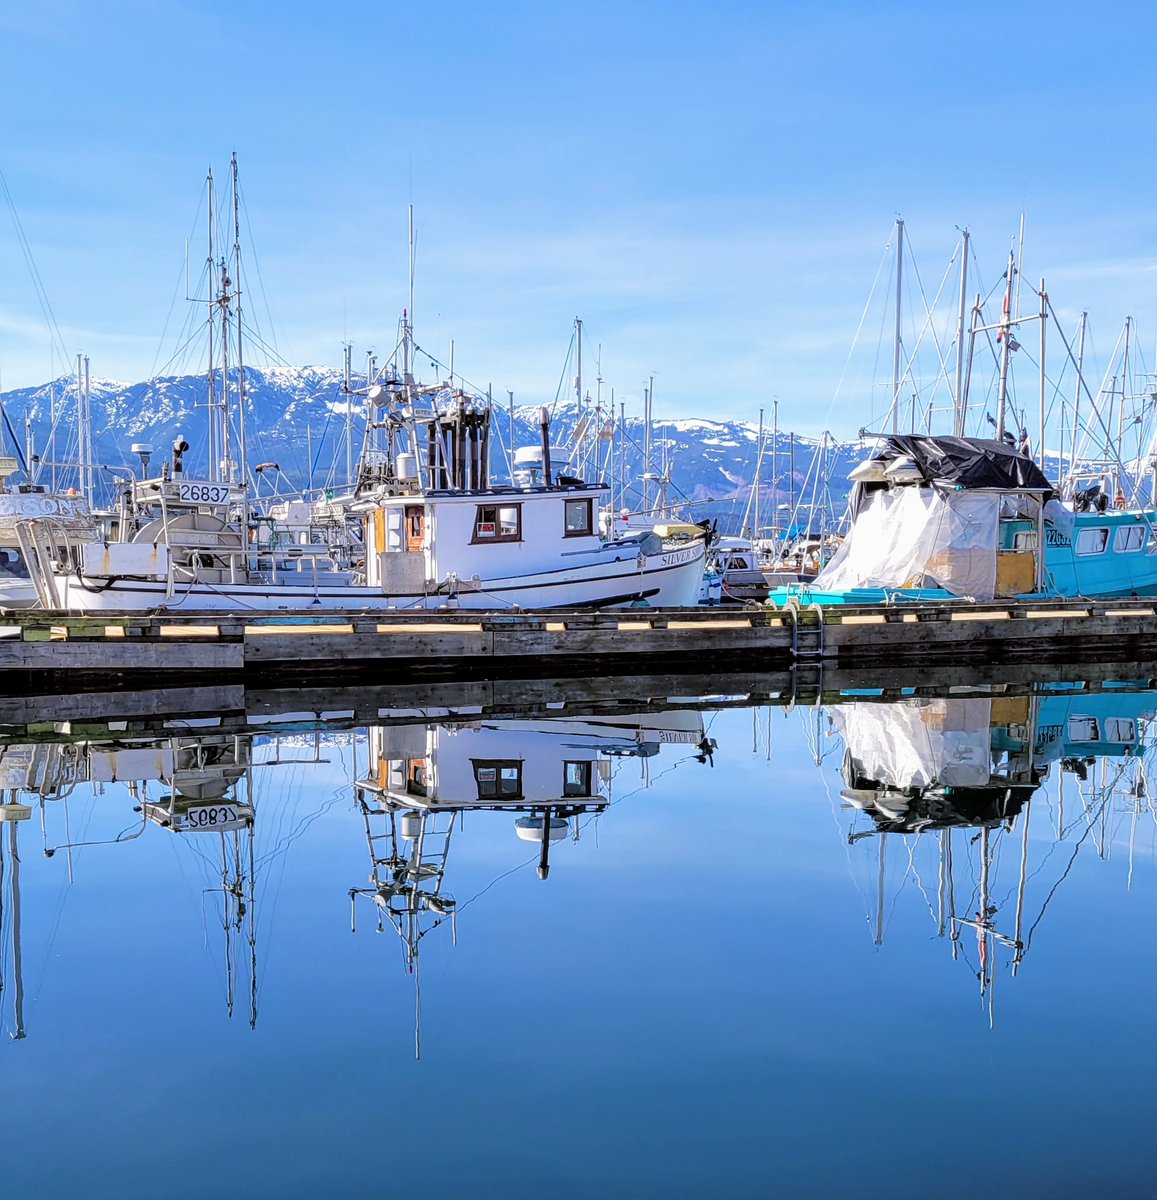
column 931, row 788
column 962, row 774
column 549, row 773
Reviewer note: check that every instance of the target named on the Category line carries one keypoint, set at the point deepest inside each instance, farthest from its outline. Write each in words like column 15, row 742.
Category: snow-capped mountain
column 300, row 419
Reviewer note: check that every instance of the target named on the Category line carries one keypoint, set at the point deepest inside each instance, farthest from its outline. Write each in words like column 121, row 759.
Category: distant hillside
column 299, row 414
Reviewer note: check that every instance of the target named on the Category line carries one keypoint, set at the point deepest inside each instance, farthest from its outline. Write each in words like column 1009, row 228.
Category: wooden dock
column 250, row 707
column 336, row 644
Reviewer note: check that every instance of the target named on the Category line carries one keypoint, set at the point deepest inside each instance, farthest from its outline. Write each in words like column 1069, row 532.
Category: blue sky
column 710, row 187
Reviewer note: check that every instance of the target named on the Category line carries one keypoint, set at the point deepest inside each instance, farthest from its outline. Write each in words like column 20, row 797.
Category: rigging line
column 928, row 324
column 180, row 350
column 37, row 282
column 181, row 272
column 251, row 247
column 272, row 351
column 1048, row 899
column 885, row 257
column 565, row 370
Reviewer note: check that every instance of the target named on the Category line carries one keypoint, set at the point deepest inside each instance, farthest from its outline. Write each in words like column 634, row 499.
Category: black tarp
column 956, row 462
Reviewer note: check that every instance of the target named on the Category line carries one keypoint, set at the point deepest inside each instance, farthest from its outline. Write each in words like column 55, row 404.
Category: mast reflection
column 967, row 772
column 549, row 773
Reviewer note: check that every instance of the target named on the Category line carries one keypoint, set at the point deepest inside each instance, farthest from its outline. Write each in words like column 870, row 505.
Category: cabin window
column 416, row 777
column 498, row 523
column 498, row 779
column 1092, row 541
column 579, row 518
column 576, row 778
column 1129, row 539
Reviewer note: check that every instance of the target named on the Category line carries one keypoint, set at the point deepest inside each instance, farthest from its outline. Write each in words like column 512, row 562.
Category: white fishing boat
column 435, row 532
column 27, row 504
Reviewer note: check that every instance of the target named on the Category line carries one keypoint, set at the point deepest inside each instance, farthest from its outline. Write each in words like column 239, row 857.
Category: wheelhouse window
column 498, row 523
column 416, row 777
column 1130, row 539
column 498, row 779
column 579, row 518
column 577, row 778
column 1092, row 541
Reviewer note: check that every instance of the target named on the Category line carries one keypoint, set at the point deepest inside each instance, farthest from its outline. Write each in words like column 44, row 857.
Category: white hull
column 17, row 593
column 669, row 579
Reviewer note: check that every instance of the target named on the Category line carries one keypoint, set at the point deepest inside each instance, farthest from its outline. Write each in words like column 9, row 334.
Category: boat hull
column 669, row 579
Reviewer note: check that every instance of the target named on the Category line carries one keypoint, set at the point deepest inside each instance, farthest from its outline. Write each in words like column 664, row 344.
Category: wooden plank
column 295, row 630
column 633, row 626
column 424, row 627
column 726, row 624
column 968, row 614
column 120, row 656
column 188, row 631
column 1034, row 614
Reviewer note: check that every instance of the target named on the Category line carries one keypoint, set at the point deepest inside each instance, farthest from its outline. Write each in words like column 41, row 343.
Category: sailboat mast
column 961, row 407
column 1044, row 313
column 347, row 370
column 1120, row 488
column 241, row 431
column 223, row 305
column 647, row 445
column 88, row 461
column 210, row 275
column 79, row 425
column 774, row 473
column 1080, row 384
column 896, row 345
column 1005, row 337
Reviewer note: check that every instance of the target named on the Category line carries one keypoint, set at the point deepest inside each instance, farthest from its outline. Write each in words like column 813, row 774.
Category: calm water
column 845, row 951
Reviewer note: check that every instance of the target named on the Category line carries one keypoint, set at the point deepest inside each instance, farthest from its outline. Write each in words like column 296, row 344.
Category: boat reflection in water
column 964, row 772
column 187, row 779
column 548, row 773
column 193, row 785
column 950, row 778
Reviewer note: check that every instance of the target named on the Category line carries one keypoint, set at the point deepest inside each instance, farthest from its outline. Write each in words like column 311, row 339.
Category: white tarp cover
column 919, row 537
column 919, row 743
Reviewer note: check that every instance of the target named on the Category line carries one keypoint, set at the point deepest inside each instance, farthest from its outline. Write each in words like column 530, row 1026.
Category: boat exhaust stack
column 544, row 425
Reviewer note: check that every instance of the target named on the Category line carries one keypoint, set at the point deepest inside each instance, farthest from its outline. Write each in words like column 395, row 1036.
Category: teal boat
column 953, row 518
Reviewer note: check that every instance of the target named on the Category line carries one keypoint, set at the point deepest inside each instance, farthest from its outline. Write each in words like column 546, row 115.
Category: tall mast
column 1080, row 382
column 347, row 371
column 1005, row 339
column 647, row 445
column 896, row 346
column 774, row 473
column 961, row 404
column 408, row 319
column 1120, row 489
column 510, row 395
column 79, row 426
column 758, row 480
column 578, row 379
column 242, row 460
column 87, row 488
column 223, row 305
column 1044, row 312
column 210, row 281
